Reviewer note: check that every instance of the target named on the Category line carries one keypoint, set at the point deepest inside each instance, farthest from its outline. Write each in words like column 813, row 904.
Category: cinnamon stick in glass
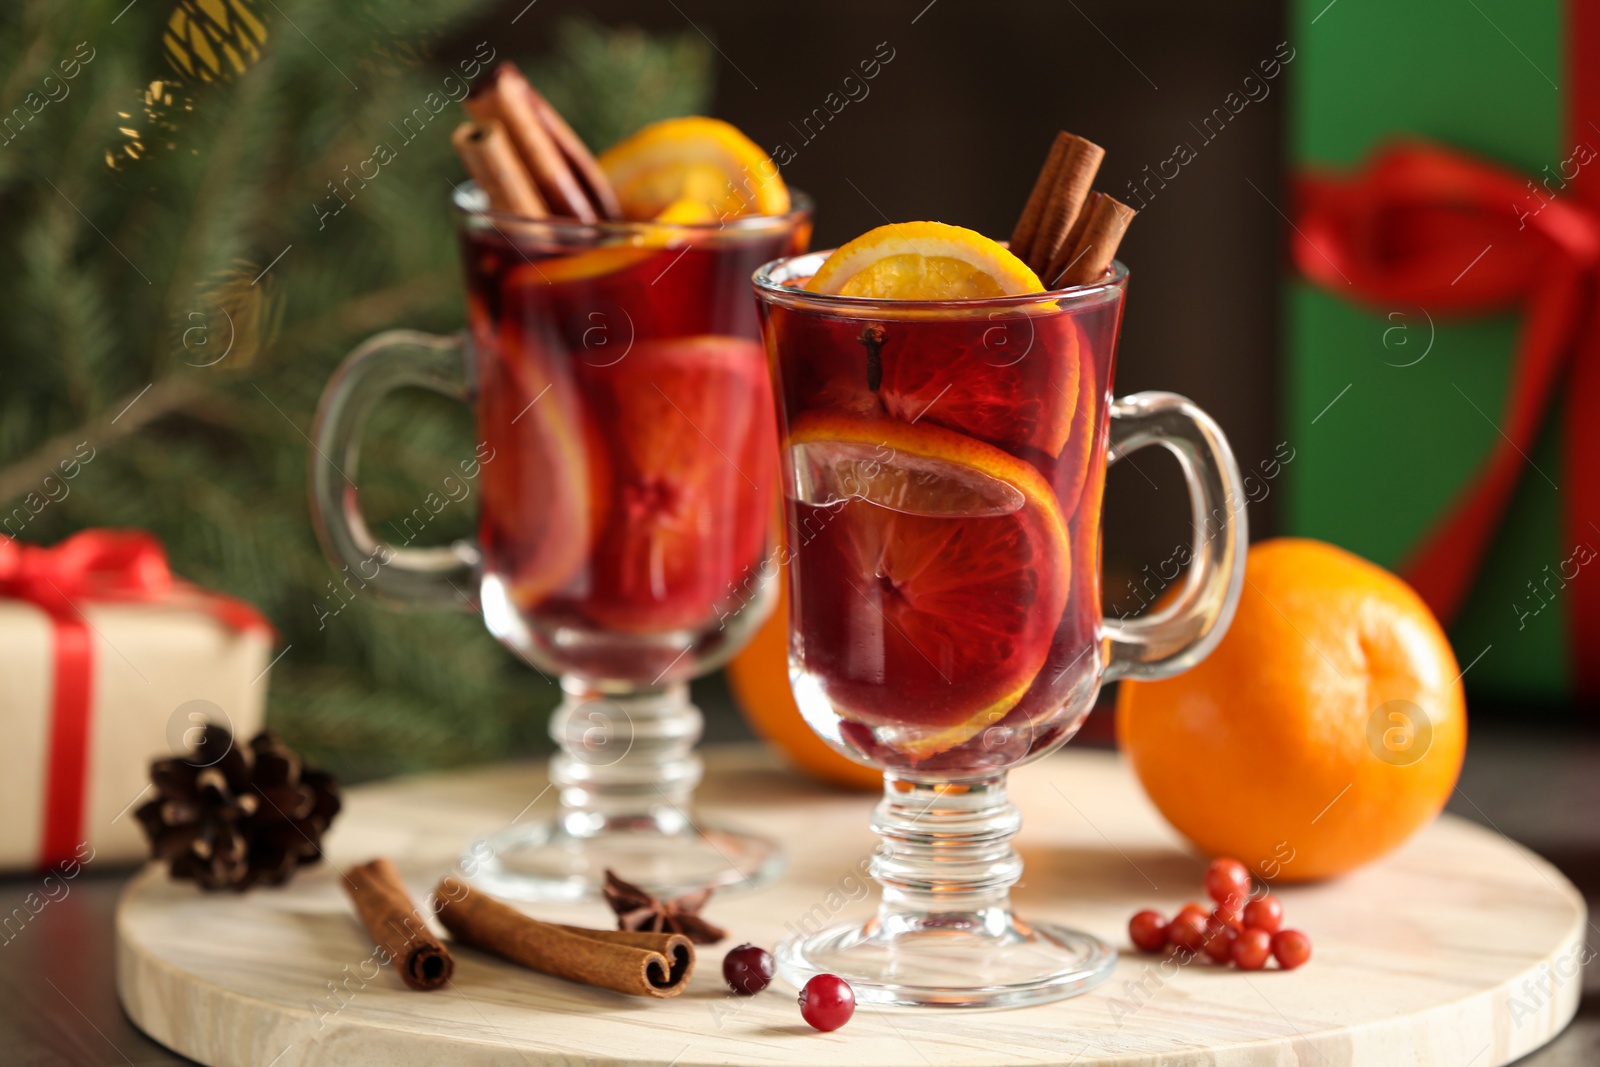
column 577, row 154
column 489, row 157
column 506, row 97
column 392, row 920
column 1027, row 229
column 1079, row 163
column 1096, row 241
column 637, row 963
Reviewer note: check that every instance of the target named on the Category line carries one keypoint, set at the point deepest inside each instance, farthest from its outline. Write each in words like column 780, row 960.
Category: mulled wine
column 624, row 394
column 944, row 511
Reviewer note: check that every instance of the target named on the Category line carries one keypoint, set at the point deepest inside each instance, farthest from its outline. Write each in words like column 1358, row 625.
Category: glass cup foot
column 543, row 861
column 962, row 961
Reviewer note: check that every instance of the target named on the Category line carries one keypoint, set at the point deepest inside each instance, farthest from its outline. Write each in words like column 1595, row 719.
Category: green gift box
column 1395, row 407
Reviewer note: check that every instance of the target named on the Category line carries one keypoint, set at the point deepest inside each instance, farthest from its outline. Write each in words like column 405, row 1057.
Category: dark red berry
column 1251, row 949
column 1264, row 913
column 1227, row 881
column 1229, row 916
column 1219, row 944
column 827, row 1002
column 1148, row 931
column 1291, row 947
column 748, row 969
column 1188, row 932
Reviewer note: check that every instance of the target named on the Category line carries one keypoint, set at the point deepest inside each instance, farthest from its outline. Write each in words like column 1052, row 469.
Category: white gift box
column 72, row 770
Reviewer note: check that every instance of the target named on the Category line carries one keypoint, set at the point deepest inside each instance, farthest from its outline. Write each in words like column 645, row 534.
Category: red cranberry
column 827, row 1002
column 1291, row 947
column 1219, row 943
column 1148, row 931
column 1187, row 932
column 1264, row 913
column 1227, row 915
column 1251, row 949
column 1227, row 881
column 748, row 969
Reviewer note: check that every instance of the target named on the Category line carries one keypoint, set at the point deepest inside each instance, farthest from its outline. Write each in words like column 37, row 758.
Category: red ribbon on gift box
column 123, row 566
column 1402, row 229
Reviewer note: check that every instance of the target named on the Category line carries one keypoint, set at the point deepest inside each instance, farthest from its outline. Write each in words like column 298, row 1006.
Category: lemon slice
column 924, row 261
column 696, row 159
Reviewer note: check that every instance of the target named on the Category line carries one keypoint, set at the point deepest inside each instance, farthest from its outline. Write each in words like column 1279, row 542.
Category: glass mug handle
column 1181, row 634
column 445, row 576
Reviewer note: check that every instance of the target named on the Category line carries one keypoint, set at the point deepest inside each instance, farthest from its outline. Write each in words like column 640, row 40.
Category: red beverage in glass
column 625, row 397
column 943, row 466
column 947, row 617
column 626, row 483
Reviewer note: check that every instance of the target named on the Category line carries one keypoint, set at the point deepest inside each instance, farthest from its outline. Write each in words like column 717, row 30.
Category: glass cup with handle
column 943, row 465
column 626, row 477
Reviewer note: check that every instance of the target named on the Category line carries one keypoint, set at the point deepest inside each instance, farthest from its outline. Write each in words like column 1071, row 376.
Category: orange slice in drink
column 687, row 211
column 923, row 261
column 701, row 160
column 934, row 570
column 1077, row 457
column 1012, row 381
column 692, row 459
column 542, row 477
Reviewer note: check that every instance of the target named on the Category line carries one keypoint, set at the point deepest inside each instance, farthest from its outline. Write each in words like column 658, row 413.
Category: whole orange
column 1326, row 728
column 759, row 678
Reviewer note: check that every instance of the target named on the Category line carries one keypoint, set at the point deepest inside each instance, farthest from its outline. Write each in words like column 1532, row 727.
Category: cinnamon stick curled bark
column 392, row 920
column 489, row 157
column 1027, row 230
column 1095, row 243
column 506, row 97
column 637, row 963
column 1080, row 160
column 577, row 154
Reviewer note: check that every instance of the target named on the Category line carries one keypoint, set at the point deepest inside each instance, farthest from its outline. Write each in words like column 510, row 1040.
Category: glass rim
column 1072, row 297
column 466, row 196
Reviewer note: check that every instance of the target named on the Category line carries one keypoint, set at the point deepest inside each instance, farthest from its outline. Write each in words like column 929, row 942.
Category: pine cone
column 225, row 818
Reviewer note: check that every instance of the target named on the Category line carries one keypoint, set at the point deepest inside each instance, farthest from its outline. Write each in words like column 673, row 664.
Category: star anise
column 227, row 818
column 638, row 910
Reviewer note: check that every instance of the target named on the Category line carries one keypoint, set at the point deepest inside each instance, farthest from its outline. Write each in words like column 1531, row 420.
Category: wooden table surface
column 58, row 1003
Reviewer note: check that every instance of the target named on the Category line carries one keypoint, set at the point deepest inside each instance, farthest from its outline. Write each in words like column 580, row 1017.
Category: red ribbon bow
column 95, row 565
column 1424, row 225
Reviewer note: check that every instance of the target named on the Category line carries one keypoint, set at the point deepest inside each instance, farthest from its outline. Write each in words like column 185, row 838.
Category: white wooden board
column 1460, row 950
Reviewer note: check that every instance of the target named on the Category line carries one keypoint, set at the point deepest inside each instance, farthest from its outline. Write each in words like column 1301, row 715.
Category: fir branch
column 137, row 410
column 200, row 459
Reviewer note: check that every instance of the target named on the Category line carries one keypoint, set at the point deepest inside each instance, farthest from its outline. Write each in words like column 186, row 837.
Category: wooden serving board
column 1459, row 950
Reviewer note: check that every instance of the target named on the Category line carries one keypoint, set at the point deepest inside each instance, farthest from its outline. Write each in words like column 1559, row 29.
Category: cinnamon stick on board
column 638, row 963
column 1106, row 220
column 492, row 161
column 390, row 917
column 506, row 96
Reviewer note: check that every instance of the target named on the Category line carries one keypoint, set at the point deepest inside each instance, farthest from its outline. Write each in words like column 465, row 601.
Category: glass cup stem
column 944, row 933
column 946, row 855
column 624, row 774
column 625, row 760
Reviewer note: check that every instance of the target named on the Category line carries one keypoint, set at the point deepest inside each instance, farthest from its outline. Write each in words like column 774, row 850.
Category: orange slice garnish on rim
column 932, row 585
column 700, row 160
column 924, row 261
